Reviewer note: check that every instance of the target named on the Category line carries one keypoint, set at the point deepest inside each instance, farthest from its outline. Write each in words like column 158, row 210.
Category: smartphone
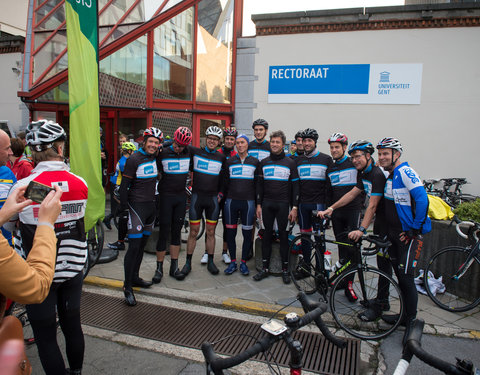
column 37, row 191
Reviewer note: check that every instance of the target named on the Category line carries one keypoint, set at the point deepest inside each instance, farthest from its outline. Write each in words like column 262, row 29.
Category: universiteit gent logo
column 385, row 76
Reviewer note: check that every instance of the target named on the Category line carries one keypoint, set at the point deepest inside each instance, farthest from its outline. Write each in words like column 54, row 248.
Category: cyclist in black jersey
column 173, row 164
column 312, row 167
column 277, row 190
column 299, row 151
column 341, row 178
column 137, row 193
column 240, row 182
column 259, row 147
column 370, row 182
column 208, row 168
column 227, row 149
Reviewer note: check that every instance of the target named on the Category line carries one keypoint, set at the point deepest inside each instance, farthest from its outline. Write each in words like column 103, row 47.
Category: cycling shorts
column 141, row 217
column 199, row 204
column 404, row 255
column 234, row 208
column 305, row 215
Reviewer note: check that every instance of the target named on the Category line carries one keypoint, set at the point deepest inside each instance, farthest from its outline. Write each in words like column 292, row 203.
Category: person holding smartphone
column 47, row 141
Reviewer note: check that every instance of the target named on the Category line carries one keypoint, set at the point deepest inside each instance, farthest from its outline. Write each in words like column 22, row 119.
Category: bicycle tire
column 20, row 312
column 458, row 294
column 95, row 240
column 308, row 285
column 346, row 313
column 186, row 228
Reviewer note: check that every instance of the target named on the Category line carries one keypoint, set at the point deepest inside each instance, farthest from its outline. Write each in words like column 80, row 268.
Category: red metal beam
column 50, row 13
column 42, row 4
column 149, row 83
column 60, row 55
column 119, row 22
column 160, row 8
column 49, row 37
column 105, row 7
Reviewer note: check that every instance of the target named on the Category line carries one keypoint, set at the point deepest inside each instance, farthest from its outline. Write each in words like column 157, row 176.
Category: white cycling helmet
column 338, row 137
column 41, row 134
column 392, row 143
column 214, row 130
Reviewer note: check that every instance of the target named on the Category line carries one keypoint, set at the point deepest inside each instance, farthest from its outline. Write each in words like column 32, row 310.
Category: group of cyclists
column 259, row 181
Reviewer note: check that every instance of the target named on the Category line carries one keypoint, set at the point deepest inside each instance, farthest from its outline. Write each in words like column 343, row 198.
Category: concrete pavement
column 237, row 294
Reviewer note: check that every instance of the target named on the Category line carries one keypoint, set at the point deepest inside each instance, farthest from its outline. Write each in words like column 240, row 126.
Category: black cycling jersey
column 228, row 153
column 240, row 177
column 312, row 174
column 174, row 169
column 139, row 178
column 372, row 181
column 208, row 168
column 259, row 150
column 341, row 178
column 278, row 180
column 391, row 214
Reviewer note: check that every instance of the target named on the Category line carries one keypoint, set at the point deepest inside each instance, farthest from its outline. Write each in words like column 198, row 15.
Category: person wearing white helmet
column 406, row 207
column 341, row 178
column 47, row 141
column 207, row 192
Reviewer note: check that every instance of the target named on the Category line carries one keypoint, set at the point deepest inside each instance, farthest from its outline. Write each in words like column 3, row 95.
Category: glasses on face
column 212, row 139
column 356, row 157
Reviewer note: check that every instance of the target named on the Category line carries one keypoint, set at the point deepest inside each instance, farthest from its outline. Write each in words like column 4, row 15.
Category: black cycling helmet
column 260, row 121
column 299, row 134
column 310, row 133
column 361, row 145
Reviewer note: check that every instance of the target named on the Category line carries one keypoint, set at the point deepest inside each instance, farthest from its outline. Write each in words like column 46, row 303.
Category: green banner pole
column 82, row 44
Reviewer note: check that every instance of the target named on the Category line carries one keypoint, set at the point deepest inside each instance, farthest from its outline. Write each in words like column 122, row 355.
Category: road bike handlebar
column 379, row 242
column 473, row 229
column 415, row 347
column 313, row 311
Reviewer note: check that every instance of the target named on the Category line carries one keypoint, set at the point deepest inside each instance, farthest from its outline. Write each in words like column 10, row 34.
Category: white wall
column 11, row 107
column 440, row 136
column 13, row 18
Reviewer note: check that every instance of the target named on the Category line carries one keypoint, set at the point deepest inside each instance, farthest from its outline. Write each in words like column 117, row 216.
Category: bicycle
column 366, row 281
column 276, row 331
column 459, row 268
column 413, row 347
column 451, row 191
column 95, row 240
column 20, row 312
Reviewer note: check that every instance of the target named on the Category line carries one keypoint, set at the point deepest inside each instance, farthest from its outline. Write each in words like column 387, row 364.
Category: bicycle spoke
column 461, row 291
column 348, row 314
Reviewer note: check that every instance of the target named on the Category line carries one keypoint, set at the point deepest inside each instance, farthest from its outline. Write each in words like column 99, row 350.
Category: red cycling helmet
column 338, row 137
column 153, row 132
column 231, row 131
column 182, row 136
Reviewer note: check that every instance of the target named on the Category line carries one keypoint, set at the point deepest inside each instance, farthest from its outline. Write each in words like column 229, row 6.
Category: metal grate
column 191, row 329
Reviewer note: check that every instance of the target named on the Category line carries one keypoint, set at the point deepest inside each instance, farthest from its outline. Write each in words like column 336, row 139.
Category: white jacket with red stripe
column 69, row 227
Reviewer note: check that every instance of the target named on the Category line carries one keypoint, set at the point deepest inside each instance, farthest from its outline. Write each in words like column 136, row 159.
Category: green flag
column 82, row 42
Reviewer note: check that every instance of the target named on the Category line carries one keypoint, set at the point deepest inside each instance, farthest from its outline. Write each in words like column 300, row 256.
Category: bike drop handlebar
column 313, row 310
column 414, row 346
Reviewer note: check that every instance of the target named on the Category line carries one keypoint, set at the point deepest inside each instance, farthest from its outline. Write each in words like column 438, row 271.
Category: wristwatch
column 362, row 229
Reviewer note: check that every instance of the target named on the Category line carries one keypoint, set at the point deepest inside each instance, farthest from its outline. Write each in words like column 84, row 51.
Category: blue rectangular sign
column 319, row 79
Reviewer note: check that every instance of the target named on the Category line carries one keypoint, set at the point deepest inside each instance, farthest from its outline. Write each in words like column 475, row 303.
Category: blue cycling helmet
column 361, row 145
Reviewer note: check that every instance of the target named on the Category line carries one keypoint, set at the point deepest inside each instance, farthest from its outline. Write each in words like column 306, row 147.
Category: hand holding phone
column 37, row 191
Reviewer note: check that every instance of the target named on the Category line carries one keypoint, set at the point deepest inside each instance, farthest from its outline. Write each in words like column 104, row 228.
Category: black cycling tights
column 344, row 221
column 272, row 210
column 66, row 298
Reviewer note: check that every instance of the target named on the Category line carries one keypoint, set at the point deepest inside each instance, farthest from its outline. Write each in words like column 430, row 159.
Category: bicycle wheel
column 346, row 313
column 95, row 239
column 20, row 312
column 311, row 269
column 186, row 228
column 461, row 293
